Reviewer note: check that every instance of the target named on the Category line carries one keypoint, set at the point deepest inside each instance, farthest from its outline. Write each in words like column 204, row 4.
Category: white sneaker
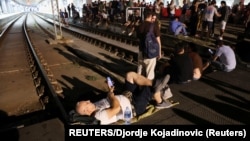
column 130, row 33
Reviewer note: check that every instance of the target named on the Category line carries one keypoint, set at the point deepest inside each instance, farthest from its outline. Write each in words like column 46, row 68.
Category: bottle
column 127, row 115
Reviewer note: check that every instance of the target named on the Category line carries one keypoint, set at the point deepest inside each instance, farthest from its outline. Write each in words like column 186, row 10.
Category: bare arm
column 159, row 42
column 114, row 104
column 214, row 58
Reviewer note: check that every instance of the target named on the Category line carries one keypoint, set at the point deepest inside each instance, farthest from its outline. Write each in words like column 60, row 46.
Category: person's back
column 224, row 58
column 182, row 66
column 227, row 56
column 146, row 66
column 209, row 13
column 197, row 61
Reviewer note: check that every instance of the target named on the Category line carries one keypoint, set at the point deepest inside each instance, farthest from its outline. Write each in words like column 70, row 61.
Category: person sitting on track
column 180, row 66
column 177, row 27
column 196, row 59
column 224, row 58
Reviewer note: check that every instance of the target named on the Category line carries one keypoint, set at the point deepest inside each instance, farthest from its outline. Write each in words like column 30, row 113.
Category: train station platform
column 218, row 99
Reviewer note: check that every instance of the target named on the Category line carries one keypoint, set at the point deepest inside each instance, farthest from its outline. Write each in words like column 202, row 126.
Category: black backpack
column 76, row 119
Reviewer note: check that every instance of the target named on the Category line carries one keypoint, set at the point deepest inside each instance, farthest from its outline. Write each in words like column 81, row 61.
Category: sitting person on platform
column 178, row 27
column 196, row 59
column 224, row 58
column 141, row 91
column 180, row 66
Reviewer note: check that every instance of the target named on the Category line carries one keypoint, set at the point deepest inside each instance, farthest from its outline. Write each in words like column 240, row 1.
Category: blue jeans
column 218, row 65
column 180, row 29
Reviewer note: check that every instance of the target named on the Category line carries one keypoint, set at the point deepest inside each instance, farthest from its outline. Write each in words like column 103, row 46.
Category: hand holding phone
column 110, row 82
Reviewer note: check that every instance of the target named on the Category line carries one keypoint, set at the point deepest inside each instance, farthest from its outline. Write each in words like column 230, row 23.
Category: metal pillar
column 56, row 15
column 4, row 7
column 1, row 11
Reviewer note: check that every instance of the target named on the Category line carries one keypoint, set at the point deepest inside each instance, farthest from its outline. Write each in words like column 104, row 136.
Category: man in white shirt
column 112, row 108
column 207, row 23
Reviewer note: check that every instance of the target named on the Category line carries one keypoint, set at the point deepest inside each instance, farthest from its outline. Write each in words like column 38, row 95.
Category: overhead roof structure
column 36, row 2
column 28, row 2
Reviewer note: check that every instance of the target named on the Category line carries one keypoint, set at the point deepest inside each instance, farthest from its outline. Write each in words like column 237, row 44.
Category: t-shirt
column 143, row 30
column 174, row 25
column 209, row 13
column 227, row 56
column 182, row 68
column 101, row 106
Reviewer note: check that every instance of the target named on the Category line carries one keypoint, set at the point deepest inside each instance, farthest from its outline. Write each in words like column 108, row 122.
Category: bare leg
column 135, row 78
column 157, row 97
column 221, row 32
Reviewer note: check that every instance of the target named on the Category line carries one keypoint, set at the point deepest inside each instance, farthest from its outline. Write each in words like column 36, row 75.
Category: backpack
column 76, row 119
column 151, row 46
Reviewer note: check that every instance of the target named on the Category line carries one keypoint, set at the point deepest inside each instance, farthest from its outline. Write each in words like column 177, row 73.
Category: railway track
column 34, row 88
column 100, row 52
column 58, row 74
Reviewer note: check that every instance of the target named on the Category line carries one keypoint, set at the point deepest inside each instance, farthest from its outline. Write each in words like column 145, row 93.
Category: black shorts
column 141, row 96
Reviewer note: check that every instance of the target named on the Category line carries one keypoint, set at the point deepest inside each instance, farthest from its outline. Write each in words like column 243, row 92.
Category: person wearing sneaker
column 139, row 92
column 144, row 90
column 146, row 66
column 225, row 12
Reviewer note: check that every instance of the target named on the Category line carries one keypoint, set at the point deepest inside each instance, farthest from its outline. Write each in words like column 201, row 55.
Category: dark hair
column 193, row 46
column 213, row 2
column 179, row 46
column 219, row 42
column 148, row 14
column 223, row 2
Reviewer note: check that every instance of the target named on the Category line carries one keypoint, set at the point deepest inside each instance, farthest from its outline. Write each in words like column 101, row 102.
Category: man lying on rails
column 140, row 91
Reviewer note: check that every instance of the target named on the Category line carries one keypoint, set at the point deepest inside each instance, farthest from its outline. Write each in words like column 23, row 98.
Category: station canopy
column 28, row 2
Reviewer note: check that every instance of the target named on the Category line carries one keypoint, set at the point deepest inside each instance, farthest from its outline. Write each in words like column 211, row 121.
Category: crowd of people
column 185, row 64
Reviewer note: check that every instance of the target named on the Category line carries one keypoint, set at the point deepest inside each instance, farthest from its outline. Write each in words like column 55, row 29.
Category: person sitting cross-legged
column 140, row 91
column 224, row 58
column 180, row 66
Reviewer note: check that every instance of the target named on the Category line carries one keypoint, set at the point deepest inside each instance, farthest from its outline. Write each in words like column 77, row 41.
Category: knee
column 130, row 76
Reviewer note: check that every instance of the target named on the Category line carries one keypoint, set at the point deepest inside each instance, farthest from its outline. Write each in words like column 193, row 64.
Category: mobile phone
column 109, row 81
column 210, row 51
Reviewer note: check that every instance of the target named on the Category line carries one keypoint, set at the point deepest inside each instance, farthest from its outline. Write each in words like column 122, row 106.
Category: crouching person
column 140, row 91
